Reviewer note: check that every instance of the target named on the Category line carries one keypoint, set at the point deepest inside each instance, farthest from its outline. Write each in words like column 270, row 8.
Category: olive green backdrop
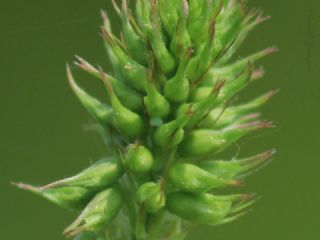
column 44, row 132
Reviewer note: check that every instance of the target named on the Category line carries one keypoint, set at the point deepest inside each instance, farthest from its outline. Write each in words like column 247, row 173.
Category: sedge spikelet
column 169, row 110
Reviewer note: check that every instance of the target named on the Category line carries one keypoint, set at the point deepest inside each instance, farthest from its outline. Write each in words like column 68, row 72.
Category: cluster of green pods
column 169, row 110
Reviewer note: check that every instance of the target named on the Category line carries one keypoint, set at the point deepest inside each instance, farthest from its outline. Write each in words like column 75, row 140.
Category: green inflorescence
column 169, row 111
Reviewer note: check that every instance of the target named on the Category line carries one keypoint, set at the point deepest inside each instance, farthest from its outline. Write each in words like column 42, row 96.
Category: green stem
column 155, row 228
column 140, row 231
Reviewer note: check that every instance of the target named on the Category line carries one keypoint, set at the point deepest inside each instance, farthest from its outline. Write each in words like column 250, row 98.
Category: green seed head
column 191, row 178
column 73, row 198
column 170, row 108
column 151, row 196
column 139, row 159
column 208, row 209
column 100, row 211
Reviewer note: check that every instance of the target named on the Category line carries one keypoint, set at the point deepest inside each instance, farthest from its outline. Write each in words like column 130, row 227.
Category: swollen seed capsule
column 237, row 168
column 160, row 50
column 102, row 209
column 172, row 133
column 135, row 73
column 151, row 196
column 97, row 110
column 190, row 178
column 115, row 63
column 73, row 198
column 206, row 208
column 143, row 12
column 168, row 11
column 200, row 142
column 177, row 88
column 138, row 159
column 156, row 104
column 98, row 176
column 200, row 94
column 134, row 43
column 202, row 108
column 126, row 121
column 128, row 96
column 198, row 25
column 181, row 39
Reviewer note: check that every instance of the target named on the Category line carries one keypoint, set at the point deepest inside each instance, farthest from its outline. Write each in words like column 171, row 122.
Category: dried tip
column 125, row 6
column 266, row 124
column 104, row 15
column 250, row 116
column 260, row 18
column 185, row 8
column 262, row 124
column 25, row 186
column 84, row 65
column 254, row 125
column 270, row 50
column 253, row 164
column 272, row 93
column 258, row 73
column 249, row 196
column 267, row 154
column 235, row 183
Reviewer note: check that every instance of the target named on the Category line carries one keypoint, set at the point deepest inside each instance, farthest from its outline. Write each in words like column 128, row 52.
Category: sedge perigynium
column 170, row 109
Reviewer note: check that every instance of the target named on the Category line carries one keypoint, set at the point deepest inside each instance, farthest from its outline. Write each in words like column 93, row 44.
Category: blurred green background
column 44, row 134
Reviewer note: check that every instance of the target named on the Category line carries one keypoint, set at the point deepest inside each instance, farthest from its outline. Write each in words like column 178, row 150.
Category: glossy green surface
column 45, row 133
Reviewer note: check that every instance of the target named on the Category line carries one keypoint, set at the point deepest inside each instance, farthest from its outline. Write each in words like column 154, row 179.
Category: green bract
column 99, row 212
column 170, row 106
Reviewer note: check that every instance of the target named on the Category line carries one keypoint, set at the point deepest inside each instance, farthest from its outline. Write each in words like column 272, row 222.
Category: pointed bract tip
column 258, row 73
column 235, row 183
column 271, row 50
column 273, row 92
column 250, row 196
column 70, row 77
column 260, row 18
column 267, row 124
column 250, row 116
column 104, row 15
column 261, row 124
column 25, row 186
column 85, row 65
column 253, row 125
column 268, row 154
